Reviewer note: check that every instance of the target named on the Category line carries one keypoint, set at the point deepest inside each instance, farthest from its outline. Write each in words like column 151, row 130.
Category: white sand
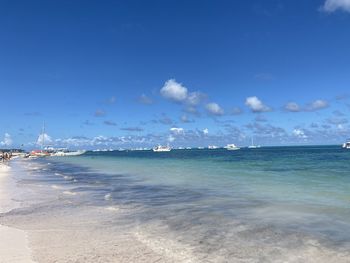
column 13, row 242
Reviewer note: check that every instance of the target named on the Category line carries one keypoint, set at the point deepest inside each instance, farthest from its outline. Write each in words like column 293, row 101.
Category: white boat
column 42, row 152
column 212, row 147
column 252, row 146
column 346, row 145
column 38, row 153
column 231, row 147
column 65, row 152
column 75, row 153
column 161, row 148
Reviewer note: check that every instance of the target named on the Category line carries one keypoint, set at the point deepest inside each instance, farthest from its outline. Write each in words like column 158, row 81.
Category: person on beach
column 5, row 156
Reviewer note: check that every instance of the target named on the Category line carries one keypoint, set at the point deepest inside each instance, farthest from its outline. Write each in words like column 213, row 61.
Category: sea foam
column 69, row 193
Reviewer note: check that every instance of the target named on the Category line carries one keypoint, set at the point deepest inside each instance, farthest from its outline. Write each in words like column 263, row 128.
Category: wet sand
column 13, row 242
column 58, row 231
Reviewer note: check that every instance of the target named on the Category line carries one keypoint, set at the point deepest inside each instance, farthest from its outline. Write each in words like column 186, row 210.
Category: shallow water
column 281, row 204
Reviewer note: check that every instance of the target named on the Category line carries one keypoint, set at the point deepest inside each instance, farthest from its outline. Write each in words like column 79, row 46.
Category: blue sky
column 117, row 74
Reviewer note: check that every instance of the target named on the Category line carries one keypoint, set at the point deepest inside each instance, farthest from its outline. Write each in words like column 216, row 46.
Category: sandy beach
column 49, row 227
column 13, row 242
column 59, row 212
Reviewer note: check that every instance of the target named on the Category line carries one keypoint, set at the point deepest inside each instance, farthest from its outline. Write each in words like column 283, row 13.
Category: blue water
column 213, row 199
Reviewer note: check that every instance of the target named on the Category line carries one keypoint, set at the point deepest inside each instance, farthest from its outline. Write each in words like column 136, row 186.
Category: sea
column 269, row 204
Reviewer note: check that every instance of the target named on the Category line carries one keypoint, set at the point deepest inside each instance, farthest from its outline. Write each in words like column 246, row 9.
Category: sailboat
column 252, row 146
column 42, row 152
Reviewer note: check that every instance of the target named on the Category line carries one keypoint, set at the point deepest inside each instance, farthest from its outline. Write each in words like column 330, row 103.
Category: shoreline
column 14, row 244
column 70, row 233
column 72, row 213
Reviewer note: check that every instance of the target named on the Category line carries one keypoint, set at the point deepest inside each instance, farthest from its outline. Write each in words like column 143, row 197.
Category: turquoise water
column 311, row 175
column 279, row 197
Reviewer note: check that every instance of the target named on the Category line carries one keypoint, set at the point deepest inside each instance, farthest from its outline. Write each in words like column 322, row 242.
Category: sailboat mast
column 43, row 136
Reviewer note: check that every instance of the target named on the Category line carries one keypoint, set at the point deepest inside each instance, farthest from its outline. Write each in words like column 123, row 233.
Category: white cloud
column 177, row 131
column 74, row 141
column 214, row 109
column 334, row 5
column 174, row 91
column 317, row 105
column 194, row 98
column 98, row 140
column 299, row 134
column 256, row 105
column 313, row 106
column 7, row 140
column 292, row 106
column 205, row 131
column 44, row 139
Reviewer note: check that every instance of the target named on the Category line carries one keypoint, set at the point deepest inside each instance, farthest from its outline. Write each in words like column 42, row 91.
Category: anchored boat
column 231, row 147
column 346, row 145
column 161, row 148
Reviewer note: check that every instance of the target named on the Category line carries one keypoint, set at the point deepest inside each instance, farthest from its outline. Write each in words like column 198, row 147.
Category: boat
column 231, row 147
column 42, row 152
column 346, row 145
column 38, row 153
column 161, row 148
column 66, row 152
column 252, row 146
column 212, row 147
column 74, row 153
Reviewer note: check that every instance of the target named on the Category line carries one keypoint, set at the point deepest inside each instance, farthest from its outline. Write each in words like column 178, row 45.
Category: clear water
column 266, row 203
